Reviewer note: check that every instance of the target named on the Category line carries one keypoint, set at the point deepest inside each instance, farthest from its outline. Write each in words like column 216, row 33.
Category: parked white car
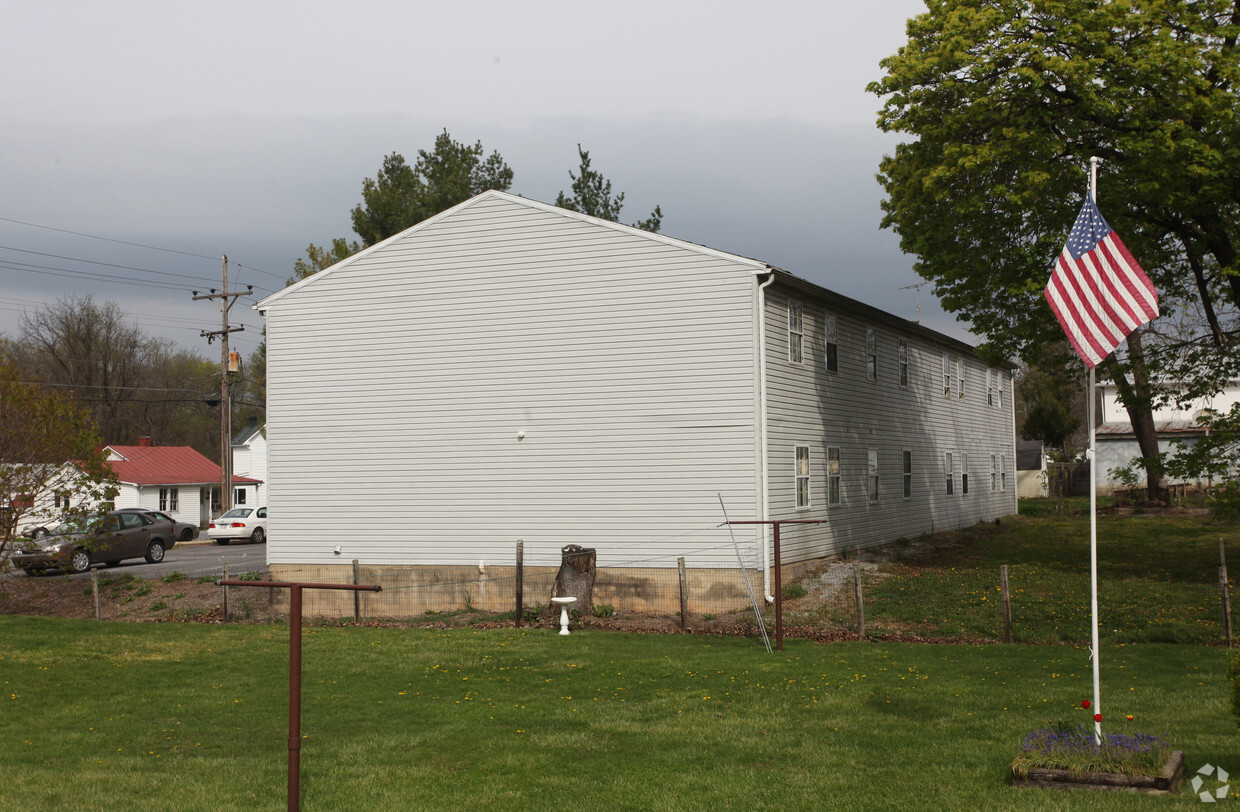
column 245, row 523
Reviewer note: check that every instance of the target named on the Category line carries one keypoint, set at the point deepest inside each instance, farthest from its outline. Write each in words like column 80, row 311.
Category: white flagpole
column 1093, row 509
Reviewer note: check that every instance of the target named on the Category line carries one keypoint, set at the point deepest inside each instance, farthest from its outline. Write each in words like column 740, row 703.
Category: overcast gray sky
column 246, row 128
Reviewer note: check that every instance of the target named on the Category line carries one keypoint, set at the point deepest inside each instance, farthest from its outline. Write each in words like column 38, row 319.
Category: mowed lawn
column 194, row 717
column 1158, row 581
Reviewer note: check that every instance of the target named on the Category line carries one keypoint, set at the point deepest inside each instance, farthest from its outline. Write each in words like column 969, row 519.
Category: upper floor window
column 990, row 387
column 831, row 327
column 802, row 475
column 871, row 354
column 796, row 333
column 902, row 359
column 960, row 378
column 947, row 374
column 999, row 397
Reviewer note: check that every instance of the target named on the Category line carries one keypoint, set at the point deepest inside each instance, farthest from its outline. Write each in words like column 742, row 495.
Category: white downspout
column 762, row 450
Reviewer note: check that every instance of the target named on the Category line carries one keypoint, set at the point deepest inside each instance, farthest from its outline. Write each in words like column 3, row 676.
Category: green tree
column 401, row 196
column 318, row 258
column 1050, row 407
column 52, row 466
column 592, row 196
column 1007, row 100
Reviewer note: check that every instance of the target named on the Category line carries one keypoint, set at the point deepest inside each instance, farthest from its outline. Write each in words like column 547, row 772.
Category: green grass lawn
column 193, row 717
column 1157, row 582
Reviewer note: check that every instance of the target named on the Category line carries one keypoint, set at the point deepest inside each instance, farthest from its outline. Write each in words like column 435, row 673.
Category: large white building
column 509, row 370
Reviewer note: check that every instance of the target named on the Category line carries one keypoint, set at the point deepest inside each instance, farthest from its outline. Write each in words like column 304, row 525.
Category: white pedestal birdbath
column 563, row 603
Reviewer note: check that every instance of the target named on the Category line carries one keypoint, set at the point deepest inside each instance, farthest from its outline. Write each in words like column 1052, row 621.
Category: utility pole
column 225, row 299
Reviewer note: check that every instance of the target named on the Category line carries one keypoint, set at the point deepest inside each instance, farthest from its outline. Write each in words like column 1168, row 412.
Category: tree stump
column 576, row 577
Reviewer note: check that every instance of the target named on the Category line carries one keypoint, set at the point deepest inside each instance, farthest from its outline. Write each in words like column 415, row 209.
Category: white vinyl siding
column 399, row 385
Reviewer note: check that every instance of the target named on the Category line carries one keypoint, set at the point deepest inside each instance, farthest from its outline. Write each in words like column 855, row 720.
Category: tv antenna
column 918, row 288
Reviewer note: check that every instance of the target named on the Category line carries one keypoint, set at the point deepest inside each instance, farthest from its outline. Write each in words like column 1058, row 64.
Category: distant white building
column 1117, row 444
column 510, row 370
column 249, row 449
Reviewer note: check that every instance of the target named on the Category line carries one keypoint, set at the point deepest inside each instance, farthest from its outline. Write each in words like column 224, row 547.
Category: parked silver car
column 110, row 538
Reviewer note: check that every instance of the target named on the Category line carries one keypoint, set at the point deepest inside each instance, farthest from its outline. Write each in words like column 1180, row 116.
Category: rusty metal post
column 225, row 594
column 779, row 577
column 294, row 698
column 779, row 595
column 294, row 670
column 520, row 617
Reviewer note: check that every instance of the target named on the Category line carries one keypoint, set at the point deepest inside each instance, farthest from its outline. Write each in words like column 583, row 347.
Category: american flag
column 1098, row 291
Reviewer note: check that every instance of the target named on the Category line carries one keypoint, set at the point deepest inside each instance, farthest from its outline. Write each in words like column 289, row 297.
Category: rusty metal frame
column 294, row 669
column 779, row 577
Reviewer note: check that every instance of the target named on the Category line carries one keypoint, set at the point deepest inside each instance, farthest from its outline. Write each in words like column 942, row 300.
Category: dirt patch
column 128, row 598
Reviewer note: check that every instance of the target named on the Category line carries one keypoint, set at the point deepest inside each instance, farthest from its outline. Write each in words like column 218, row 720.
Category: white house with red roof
column 176, row 480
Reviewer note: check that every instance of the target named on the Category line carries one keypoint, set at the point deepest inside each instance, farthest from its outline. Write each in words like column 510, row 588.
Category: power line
column 132, row 244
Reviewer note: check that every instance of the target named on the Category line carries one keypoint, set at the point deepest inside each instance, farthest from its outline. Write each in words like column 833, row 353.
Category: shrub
column 158, row 607
column 604, row 610
column 205, row 579
column 794, row 591
column 144, row 589
column 252, row 575
column 173, row 577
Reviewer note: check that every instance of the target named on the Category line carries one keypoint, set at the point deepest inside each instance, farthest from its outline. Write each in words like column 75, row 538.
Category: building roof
column 251, row 428
column 1160, row 427
column 166, row 465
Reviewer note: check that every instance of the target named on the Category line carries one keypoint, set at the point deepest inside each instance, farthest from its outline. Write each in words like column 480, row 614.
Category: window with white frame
column 802, row 476
column 796, row 333
column 906, row 465
column 949, row 473
column 994, row 471
column 174, row 497
column 964, row 472
column 239, row 496
column 999, row 378
column 902, row 358
column 947, row 374
column 833, row 476
column 871, row 354
column 1003, row 472
column 990, row 387
column 832, row 330
column 960, row 378
column 871, row 474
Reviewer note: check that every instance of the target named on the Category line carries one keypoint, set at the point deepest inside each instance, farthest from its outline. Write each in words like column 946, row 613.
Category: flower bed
column 1066, row 757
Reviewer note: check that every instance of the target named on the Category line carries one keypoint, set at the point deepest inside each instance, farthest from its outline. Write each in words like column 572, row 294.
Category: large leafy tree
column 52, row 466
column 592, row 195
column 1007, row 100
column 131, row 383
column 401, row 195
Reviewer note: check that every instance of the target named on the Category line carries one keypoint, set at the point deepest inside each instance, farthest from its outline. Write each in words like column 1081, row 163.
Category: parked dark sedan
column 110, row 538
column 185, row 531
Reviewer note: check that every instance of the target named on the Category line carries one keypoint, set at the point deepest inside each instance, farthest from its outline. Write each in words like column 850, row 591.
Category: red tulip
column 1097, row 717
column 1084, row 703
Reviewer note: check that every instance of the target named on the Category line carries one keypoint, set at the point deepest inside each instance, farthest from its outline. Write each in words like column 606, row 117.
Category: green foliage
column 1049, row 401
column 1214, row 456
column 401, row 196
column 173, row 577
column 142, row 589
column 1006, row 102
column 49, row 447
column 592, row 195
column 317, row 258
column 793, row 591
column 252, row 575
column 158, row 606
column 205, row 579
column 603, row 610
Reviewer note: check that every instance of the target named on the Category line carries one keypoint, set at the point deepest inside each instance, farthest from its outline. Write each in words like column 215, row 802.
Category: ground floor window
column 833, row 476
column 907, row 466
column 872, row 474
column 802, row 475
column 949, row 473
column 964, row 473
column 239, row 497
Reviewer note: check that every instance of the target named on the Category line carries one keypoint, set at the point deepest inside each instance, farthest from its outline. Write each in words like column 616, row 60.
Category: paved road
column 192, row 558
